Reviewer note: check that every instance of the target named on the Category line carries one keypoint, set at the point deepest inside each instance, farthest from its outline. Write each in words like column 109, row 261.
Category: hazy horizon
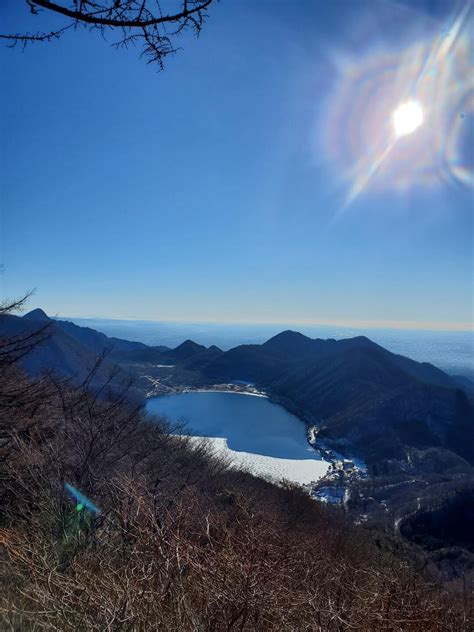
column 410, row 326
column 184, row 181
column 453, row 351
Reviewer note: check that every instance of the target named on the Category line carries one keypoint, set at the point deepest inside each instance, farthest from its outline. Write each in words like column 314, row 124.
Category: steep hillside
column 153, row 355
column 67, row 351
column 361, row 396
column 94, row 340
column 187, row 355
column 109, row 522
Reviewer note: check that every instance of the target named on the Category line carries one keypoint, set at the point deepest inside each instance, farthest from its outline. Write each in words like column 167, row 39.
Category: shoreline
column 221, row 390
column 343, row 468
column 335, row 459
column 238, row 389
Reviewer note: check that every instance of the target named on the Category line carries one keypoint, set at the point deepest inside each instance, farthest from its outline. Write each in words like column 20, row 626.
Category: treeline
column 111, row 522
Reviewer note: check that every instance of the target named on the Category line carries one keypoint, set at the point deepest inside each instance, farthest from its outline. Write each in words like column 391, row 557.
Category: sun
column 407, row 118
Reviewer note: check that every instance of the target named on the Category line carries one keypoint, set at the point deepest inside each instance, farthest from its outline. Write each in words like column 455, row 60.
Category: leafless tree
column 15, row 305
column 177, row 540
column 136, row 21
column 13, row 348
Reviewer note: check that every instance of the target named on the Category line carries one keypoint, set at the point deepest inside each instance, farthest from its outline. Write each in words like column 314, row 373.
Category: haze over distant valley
column 236, row 315
column 452, row 351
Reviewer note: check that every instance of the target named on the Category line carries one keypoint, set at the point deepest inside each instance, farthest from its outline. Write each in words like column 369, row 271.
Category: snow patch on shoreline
column 220, row 390
column 253, row 433
column 301, row 471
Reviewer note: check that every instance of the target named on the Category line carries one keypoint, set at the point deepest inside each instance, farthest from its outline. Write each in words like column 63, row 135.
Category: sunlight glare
column 407, row 118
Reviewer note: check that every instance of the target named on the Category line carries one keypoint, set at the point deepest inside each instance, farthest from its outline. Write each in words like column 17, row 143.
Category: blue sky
column 217, row 190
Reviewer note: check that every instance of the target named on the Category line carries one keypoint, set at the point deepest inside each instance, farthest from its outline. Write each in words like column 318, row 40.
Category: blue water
column 451, row 351
column 249, row 423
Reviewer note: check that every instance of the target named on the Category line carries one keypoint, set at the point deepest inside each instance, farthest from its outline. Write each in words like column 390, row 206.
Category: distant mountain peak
column 215, row 349
column 287, row 336
column 363, row 339
column 291, row 344
column 37, row 314
column 290, row 332
column 358, row 342
column 189, row 344
column 185, row 350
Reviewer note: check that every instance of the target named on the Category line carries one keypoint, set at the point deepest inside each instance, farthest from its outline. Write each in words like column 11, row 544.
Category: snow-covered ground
column 254, row 433
column 300, row 471
column 223, row 390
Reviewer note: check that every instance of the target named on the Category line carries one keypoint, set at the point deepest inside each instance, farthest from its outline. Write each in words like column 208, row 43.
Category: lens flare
column 407, row 118
column 82, row 501
column 403, row 118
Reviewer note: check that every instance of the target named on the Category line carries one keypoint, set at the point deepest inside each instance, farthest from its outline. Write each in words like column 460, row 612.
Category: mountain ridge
column 356, row 392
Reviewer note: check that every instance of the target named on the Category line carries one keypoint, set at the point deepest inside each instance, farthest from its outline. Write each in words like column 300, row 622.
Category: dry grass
column 181, row 543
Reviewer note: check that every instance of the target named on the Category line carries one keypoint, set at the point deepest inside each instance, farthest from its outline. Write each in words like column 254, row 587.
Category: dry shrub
column 181, row 542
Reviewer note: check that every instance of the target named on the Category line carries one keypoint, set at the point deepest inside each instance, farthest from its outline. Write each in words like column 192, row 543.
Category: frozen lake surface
column 257, row 435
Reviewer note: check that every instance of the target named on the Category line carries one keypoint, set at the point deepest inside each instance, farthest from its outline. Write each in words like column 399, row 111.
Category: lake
column 256, row 434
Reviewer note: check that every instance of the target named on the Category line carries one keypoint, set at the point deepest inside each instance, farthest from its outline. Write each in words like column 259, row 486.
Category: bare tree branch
column 15, row 305
column 135, row 19
column 121, row 8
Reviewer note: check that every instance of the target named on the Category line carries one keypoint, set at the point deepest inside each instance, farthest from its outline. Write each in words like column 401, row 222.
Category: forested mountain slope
column 360, row 395
column 109, row 520
column 68, row 351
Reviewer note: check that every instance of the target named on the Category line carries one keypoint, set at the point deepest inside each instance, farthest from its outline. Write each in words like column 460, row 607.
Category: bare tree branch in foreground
column 137, row 21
